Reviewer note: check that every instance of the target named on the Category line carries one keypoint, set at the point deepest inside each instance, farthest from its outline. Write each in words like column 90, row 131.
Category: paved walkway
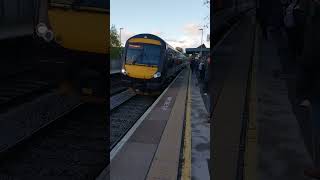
column 281, row 149
column 200, row 134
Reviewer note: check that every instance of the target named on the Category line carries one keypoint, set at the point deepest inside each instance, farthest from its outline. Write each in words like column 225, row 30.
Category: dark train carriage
column 78, row 30
column 148, row 61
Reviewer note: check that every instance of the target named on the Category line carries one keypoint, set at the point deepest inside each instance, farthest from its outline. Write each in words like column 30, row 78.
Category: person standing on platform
column 196, row 67
column 201, row 70
column 192, row 65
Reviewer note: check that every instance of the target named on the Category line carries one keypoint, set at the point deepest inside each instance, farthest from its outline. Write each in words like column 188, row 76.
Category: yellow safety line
column 186, row 166
column 250, row 169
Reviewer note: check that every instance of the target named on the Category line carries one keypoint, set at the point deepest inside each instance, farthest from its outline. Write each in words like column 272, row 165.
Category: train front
column 142, row 62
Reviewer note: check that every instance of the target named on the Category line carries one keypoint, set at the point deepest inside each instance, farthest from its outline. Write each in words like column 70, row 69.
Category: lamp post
column 120, row 37
column 201, row 41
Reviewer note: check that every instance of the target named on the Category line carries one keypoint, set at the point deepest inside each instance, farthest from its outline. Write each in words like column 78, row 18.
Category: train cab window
column 170, row 58
column 143, row 54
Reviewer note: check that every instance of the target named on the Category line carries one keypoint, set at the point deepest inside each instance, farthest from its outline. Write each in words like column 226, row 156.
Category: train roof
column 152, row 36
column 100, row 4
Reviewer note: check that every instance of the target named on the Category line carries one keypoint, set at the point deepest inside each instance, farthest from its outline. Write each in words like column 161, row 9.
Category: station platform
column 200, row 137
column 282, row 152
column 256, row 134
column 159, row 145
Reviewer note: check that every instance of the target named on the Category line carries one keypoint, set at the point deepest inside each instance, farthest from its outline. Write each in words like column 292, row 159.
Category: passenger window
column 170, row 59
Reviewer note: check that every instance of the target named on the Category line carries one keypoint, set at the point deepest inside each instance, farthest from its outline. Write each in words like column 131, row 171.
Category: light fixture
column 157, row 75
column 123, row 71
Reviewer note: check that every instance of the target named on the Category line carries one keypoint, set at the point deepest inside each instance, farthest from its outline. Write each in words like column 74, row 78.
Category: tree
column 114, row 37
column 207, row 3
column 207, row 18
column 115, row 49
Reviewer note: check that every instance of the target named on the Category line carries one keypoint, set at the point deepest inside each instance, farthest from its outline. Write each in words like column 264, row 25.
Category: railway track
column 116, row 84
column 16, row 90
column 128, row 109
column 21, row 83
column 72, row 147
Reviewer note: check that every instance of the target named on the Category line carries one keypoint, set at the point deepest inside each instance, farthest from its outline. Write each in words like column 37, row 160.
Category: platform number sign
column 166, row 104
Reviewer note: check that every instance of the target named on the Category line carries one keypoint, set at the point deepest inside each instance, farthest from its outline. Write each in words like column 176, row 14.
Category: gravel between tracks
column 74, row 147
column 124, row 117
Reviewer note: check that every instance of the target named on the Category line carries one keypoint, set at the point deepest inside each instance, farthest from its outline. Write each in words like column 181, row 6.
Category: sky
column 175, row 21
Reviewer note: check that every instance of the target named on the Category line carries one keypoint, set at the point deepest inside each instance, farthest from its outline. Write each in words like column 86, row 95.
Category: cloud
column 191, row 29
column 190, row 36
column 158, row 33
column 125, row 35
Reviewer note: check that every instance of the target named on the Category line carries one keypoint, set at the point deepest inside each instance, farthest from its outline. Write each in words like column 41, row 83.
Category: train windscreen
column 146, row 54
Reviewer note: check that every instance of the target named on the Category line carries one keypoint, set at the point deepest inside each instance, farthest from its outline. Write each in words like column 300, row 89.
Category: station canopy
column 197, row 50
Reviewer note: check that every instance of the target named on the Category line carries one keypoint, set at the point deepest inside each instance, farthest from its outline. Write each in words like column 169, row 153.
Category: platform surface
column 282, row 153
column 200, row 130
column 226, row 126
column 145, row 154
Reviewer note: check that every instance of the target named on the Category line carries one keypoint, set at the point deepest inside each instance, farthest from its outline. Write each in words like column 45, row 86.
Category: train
column 148, row 62
column 69, row 37
column 78, row 30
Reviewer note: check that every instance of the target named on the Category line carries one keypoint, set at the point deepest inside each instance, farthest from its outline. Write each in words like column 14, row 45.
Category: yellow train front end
column 143, row 62
column 80, row 29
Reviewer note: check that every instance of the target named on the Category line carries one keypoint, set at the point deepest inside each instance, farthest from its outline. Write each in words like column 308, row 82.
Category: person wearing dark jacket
column 192, row 65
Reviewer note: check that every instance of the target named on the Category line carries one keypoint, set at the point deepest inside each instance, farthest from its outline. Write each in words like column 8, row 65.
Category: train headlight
column 48, row 36
column 123, row 71
column 157, row 75
column 42, row 29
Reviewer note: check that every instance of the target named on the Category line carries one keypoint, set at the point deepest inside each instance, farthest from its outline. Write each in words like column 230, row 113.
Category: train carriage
column 78, row 30
column 148, row 62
